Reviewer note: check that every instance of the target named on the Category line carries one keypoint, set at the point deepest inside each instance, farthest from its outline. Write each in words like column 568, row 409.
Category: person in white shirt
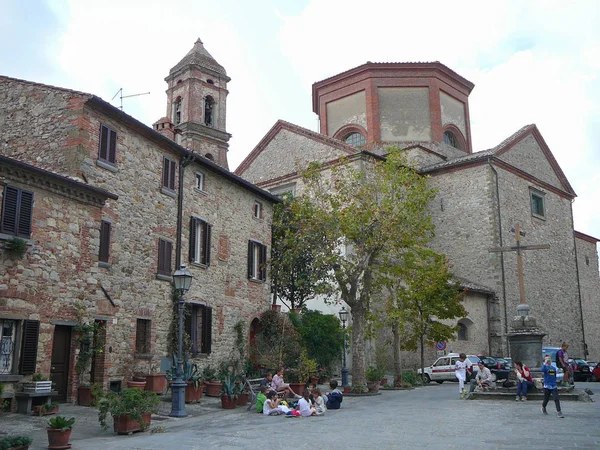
column 319, row 402
column 272, row 405
column 304, row 405
column 460, row 370
column 483, row 380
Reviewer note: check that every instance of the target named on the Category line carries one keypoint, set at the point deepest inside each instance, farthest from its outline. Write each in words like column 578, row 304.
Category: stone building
column 115, row 207
column 423, row 108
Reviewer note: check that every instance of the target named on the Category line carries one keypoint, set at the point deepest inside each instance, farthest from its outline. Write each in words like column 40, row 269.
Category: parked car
column 443, row 368
column 581, row 370
column 595, row 373
column 497, row 366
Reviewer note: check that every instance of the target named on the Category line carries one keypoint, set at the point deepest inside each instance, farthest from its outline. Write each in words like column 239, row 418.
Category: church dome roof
column 198, row 55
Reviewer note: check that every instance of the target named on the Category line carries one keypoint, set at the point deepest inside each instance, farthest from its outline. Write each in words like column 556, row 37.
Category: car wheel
column 439, row 382
column 426, row 379
column 592, row 378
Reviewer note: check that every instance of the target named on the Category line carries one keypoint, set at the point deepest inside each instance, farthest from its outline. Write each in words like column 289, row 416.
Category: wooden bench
column 25, row 400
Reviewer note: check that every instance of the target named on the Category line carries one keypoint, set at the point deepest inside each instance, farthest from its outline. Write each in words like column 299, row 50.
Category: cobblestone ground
column 430, row 417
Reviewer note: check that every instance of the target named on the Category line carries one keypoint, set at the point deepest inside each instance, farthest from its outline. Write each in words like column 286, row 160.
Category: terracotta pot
column 84, row 395
column 383, row 381
column 373, row 386
column 156, row 382
column 314, row 380
column 126, row 425
column 227, row 402
column 324, row 380
column 58, row 439
column 347, row 389
column 192, row 395
column 136, row 384
column 276, row 308
column 243, row 399
column 213, row 388
column 297, row 387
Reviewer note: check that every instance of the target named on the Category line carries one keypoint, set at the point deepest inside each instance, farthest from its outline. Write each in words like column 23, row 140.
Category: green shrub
column 129, row 402
column 17, row 247
column 374, row 374
column 409, row 377
column 14, row 441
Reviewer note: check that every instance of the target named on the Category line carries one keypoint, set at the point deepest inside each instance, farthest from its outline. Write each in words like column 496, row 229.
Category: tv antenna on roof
column 121, row 97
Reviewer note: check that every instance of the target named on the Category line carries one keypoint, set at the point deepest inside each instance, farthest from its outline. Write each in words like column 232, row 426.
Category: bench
column 253, row 387
column 25, row 400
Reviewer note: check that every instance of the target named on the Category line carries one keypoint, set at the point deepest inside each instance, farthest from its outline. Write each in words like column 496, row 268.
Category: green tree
column 295, row 276
column 421, row 297
column 364, row 209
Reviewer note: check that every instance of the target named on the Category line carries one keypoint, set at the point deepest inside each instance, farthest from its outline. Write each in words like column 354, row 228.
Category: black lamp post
column 182, row 279
column 344, row 317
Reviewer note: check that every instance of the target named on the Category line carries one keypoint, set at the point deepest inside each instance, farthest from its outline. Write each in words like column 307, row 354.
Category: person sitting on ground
column 483, row 379
column 278, row 385
column 273, row 405
column 304, row 405
column 319, row 402
column 524, row 380
column 334, row 398
column 311, row 389
column 261, row 398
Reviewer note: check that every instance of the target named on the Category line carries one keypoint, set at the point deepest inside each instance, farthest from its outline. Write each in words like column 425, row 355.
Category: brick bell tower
column 197, row 105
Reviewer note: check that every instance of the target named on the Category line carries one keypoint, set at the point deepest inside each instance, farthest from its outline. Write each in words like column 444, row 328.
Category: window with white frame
column 538, row 208
column 200, row 181
column 257, row 261
column 200, row 231
column 258, row 210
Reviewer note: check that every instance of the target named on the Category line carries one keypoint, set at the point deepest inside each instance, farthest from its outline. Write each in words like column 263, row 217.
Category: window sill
column 104, row 264
column 168, row 192
column 106, row 165
column 9, row 378
column 197, row 264
column 200, row 355
column 256, row 280
column 537, row 216
column 160, row 276
column 143, row 356
column 200, row 191
column 258, row 218
column 6, row 237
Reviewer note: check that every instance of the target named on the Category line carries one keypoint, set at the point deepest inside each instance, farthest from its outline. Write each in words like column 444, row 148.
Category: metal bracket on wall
column 106, row 294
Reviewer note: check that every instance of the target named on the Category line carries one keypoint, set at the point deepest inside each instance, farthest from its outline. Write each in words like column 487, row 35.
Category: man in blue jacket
column 550, row 388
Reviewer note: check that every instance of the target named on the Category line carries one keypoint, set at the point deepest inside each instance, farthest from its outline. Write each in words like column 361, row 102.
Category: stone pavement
column 428, row 417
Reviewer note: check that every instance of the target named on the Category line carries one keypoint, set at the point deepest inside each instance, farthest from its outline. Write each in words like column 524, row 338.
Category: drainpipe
column 183, row 163
column 578, row 284
column 489, row 333
column 501, row 254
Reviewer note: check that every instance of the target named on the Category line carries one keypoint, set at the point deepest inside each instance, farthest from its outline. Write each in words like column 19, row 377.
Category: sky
column 531, row 61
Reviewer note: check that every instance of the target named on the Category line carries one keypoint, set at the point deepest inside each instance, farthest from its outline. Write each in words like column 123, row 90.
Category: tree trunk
column 359, row 321
column 422, row 356
column 397, row 366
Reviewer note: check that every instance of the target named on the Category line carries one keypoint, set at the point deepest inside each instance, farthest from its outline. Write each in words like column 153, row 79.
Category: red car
column 596, row 373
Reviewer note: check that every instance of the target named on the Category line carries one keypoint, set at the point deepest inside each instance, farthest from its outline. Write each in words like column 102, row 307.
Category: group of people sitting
column 484, row 380
column 311, row 403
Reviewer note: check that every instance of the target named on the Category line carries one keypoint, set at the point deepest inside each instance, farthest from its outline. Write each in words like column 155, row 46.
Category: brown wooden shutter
column 31, row 329
column 263, row 263
column 165, row 172
column 250, row 258
column 164, row 257
column 112, row 148
column 207, row 244
column 104, row 241
column 10, row 200
column 169, row 252
column 25, row 214
column 193, row 238
column 172, row 180
column 103, row 150
column 206, row 330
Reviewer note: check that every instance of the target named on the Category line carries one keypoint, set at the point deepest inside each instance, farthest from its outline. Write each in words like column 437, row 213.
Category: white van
column 443, row 368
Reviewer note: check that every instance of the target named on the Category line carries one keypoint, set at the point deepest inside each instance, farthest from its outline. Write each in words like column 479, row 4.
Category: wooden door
column 59, row 372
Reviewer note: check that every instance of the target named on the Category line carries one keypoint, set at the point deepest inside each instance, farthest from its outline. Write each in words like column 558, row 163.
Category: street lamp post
column 343, row 317
column 182, row 279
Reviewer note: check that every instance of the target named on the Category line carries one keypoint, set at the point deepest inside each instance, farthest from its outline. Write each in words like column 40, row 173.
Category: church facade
column 108, row 208
column 423, row 108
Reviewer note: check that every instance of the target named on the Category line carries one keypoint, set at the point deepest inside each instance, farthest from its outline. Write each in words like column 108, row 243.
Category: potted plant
column 228, row 392
column 374, row 376
column 191, row 375
column 211, row 381
column 88, row 346
column 305, row 370
column 16, row 247
column 59, row 432
column 131, row 410
column 97, row 392
column 38, row 383
column 45, row 409
column 15, row 442
column 156, row 382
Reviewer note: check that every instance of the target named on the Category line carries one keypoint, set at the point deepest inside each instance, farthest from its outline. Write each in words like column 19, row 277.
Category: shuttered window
column 165, row 248
column 257, row 261
column 168, row 179
column 108, row 145
column 17, row 211
column 31, row 329
column 200, row 232
column 104, row 241
column 198, row 326
column 142, row 336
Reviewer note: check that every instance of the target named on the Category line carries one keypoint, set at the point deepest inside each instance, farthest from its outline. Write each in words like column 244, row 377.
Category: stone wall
column 589, row 279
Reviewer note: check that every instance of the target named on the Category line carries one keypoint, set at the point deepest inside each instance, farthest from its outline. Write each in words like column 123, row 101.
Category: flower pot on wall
column 84, row 395
column 192, row 394
column 213, row 388
column 58, row 439
column 156, row 382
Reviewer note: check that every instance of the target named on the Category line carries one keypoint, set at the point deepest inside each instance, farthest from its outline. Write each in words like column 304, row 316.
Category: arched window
column 451, row 139
column 210, row 156
column 463, row 332
column 355, row 139
column 209, row 107
column 177, row 111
